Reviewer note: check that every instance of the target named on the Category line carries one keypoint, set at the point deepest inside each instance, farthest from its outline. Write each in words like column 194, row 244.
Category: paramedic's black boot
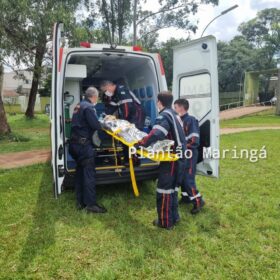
column 185, row 200
column 157, row 224
column 96, row 209
column 198, row 206
column 80, row 206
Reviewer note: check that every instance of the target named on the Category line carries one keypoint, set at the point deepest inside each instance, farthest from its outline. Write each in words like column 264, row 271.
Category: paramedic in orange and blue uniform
column 120, row 98
column 167, row 126
column 190, row 193
column 84, row 124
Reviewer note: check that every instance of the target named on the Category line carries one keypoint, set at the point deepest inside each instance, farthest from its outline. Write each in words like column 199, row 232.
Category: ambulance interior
column 137, row 72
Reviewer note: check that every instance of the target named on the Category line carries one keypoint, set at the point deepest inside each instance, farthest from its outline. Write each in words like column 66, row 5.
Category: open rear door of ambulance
column 57, row 111
column 195, row 78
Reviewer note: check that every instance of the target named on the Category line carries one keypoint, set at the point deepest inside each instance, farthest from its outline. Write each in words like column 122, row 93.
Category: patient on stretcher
column 130, row 134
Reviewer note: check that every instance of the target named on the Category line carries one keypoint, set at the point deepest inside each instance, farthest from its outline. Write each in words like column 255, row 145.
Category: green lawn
column 266, row 118
column 26, row 134
column 237, row 236
column 34, row 134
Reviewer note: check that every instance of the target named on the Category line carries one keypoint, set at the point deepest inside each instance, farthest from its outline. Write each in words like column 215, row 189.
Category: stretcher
column 158, row 156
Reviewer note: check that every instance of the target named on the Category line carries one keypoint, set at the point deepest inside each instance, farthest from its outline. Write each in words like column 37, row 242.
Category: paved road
column 20, row 159
column 243, row 111
column 244, row 129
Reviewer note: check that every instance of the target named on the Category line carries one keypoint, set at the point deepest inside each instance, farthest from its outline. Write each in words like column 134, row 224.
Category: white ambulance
column 74, row 69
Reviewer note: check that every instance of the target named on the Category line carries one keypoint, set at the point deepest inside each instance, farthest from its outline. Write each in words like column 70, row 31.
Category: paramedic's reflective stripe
column 180, row 121
column 134, row 97
column 194, row 197
column 121, row 102
column 125, row 101
column 113, row 103
column 170, row 191
column 175, row 127
column 161, row 128
column 192, row 135
column 191, row 197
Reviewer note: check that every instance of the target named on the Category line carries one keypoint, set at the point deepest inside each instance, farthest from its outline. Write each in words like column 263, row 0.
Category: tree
column 166, row 52
column 27, row 26
column 118, row 16
column 172, row 13
column 234, row 58
column 263, row 32
column 19, row 89
column 254, row 49
column 47, row 86
column 108, row 21
column 4, row 126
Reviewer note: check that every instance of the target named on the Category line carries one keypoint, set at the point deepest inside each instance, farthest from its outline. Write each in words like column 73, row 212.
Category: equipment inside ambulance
column 75, row 69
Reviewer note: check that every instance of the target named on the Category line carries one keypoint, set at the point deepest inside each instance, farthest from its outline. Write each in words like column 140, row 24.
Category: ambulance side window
column 197, row 89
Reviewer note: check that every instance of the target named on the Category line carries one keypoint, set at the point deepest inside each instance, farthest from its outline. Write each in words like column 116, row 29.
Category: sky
column 225, row 27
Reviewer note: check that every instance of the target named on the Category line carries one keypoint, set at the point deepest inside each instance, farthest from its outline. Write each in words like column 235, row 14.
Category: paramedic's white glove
column 95, row 139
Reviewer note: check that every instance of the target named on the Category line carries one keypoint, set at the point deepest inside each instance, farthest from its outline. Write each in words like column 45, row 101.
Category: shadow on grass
column 46, row 213
column 42, row 232
column 131, row 219
column 128, row 216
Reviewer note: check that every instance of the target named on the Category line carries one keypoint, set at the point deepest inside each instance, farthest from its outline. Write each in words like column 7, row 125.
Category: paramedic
column 84, row 124
column 190, row 193
column 120, row 98
column 167, row 126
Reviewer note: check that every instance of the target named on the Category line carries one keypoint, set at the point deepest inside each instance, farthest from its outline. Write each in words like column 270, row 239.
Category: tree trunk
column 135, row 22
column 278, row 95
column 120, row 17
column 104, row 7
column 113, row 21
column 40, row 51
column 4, row 126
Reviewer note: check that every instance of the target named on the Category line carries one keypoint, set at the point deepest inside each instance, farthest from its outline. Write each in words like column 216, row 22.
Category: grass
column 34, row 134
column 265, row 118
column 235, row 237
column 27, row 134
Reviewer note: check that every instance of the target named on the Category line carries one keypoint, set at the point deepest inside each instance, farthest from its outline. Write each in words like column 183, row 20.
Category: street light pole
column 221, row 14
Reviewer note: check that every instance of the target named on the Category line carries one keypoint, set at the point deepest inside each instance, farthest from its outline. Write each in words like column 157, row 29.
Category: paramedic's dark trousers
column 85, row 173
column 167, row 194
column 189, row 188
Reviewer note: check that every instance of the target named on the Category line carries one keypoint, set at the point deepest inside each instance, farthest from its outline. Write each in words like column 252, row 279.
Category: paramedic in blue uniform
column 118, row 98
column 190, row 193
column 167, row 126
column 84, row 124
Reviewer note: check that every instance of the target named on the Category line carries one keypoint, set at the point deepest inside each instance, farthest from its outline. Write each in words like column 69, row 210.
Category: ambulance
column 74, row 69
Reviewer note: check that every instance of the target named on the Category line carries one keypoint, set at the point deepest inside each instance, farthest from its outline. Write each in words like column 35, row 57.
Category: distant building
column 20, row 84
column 273, row 85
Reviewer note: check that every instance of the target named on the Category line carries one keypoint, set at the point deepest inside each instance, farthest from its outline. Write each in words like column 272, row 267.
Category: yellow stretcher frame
column 162, row 156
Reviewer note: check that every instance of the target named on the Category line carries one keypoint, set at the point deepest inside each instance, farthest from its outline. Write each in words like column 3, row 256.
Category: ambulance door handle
column 60, row 152
column 60, row 124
